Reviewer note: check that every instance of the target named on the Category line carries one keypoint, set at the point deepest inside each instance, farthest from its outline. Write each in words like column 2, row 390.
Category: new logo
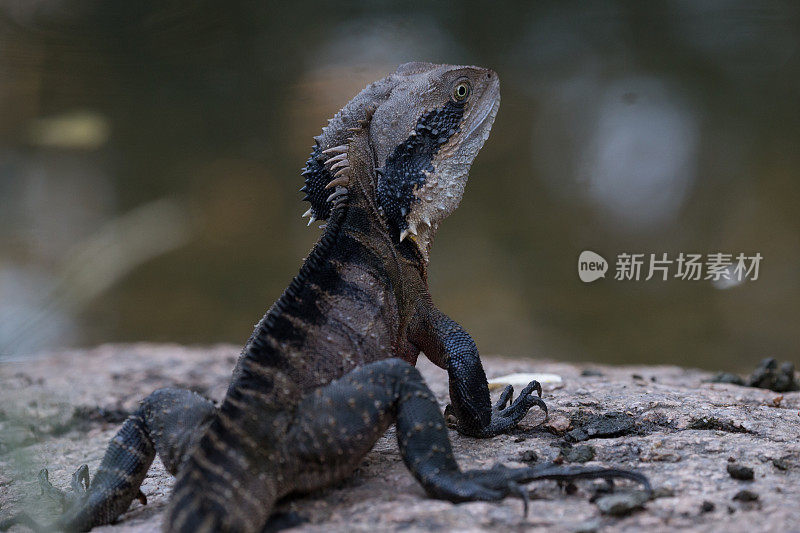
column 591, row 266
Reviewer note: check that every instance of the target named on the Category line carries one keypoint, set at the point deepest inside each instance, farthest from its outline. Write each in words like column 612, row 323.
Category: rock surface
column 59, row 410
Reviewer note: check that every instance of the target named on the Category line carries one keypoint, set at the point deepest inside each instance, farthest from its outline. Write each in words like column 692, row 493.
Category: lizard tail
column 225, row 483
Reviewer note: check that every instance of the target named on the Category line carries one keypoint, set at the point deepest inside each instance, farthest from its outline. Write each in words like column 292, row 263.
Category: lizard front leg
column 450, row 347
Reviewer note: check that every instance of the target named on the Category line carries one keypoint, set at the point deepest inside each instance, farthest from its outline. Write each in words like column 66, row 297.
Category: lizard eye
column 461, row 91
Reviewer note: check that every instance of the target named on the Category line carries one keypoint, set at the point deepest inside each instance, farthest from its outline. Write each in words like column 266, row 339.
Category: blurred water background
column 150, row 155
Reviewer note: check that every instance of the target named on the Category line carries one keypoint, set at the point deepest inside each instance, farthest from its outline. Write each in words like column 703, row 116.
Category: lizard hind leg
column 338, row 424
column 166, row 422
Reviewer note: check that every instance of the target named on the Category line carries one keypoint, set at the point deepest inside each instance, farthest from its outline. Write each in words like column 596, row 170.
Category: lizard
column 330, row 366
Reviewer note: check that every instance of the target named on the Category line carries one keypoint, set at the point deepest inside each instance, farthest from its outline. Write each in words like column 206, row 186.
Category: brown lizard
column 330, row 365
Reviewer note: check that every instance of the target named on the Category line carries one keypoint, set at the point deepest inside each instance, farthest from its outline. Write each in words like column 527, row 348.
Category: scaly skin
column 330, row 366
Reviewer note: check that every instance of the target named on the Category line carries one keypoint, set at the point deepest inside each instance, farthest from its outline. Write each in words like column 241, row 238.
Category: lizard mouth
column 491, row 94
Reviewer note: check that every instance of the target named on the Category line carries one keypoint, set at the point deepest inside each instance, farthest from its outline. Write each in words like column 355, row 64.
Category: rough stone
column 741, row 472
column 59, row 410
column 768, row 375
column 577, row 454
column 621, row 503
column 745, row 495
column 529, row 456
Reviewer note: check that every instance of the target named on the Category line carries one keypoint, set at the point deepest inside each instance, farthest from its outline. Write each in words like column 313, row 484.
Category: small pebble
column 780, row 464
column 663, row 492
column 707, row 507
column 621, row 503
column 746, row 496
column 529, row 456
column 558, row 423
column 578, row 454
column 727, row 377
column 577, row 435
column 736, row 471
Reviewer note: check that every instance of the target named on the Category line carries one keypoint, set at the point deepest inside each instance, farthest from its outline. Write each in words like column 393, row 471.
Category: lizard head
column 426, row 124
column 426, row 136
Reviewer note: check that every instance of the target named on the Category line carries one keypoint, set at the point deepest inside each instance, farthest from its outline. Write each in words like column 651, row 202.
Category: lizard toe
column 505, row 397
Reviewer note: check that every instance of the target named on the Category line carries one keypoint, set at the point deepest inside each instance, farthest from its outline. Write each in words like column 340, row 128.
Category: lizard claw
column 505, row 397
column 532, row 386
column 518, row 490
column 47, row 489
column 80, row 480
column 508, row 417
column 501, row 481
column 504, row 416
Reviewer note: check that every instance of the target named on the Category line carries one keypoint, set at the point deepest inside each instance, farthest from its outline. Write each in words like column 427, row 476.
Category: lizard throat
column 407, row 168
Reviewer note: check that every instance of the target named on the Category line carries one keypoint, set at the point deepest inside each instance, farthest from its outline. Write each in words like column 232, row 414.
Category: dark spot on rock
column 768, row 375
column 25, row 378
column 622, row 503
column 577, row 454
column 712, row 423
column 663, row 492
column 590, row 372
column 707, row 507
column 780, row 464
column 736, row 471
column 637, row 376
column 577, row 435
column 726, row 377
column 570, row 488
column 520, row 439
column 603, row 426
column 529, row 456
column 745, row 496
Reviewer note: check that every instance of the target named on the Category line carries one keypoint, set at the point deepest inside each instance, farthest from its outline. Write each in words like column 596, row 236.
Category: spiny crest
column 325, row 169
column 328, row 167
